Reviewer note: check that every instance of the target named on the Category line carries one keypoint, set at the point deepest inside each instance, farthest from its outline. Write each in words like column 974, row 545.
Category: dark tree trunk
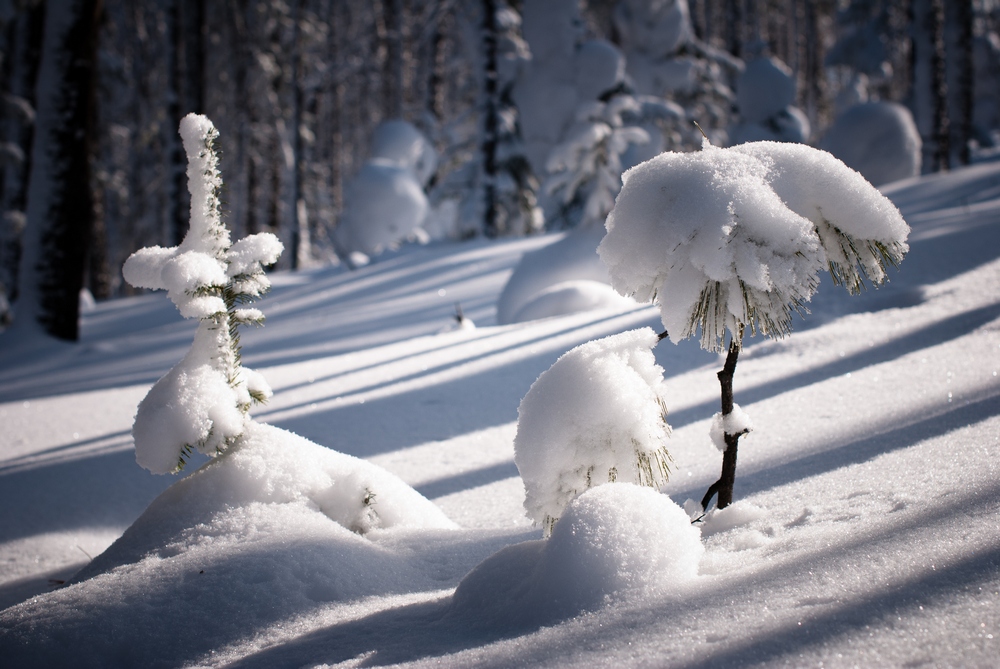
column 60, row 206
column 939, row 86
column 490, row 118
column 723, row 488
column 734, row 23
column 24, row 50
column 966, row 76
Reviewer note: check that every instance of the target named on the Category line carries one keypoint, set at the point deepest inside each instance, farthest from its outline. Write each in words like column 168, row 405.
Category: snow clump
column 596, row 416
column 613, row 542
column 735, row 422
column 727, row 238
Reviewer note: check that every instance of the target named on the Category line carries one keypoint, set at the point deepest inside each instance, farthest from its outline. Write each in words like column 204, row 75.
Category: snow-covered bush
column 596, row 416
column 615, row 541
column 587, row 165
column 201, row 404
column 385, row 205
column 399, row 142
column 585, row 174
column 878, row 139
column 765, row 96
column 734, row 239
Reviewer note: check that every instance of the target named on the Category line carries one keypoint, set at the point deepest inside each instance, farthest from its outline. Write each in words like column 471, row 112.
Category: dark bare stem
column 663, row 335
column 724, row 486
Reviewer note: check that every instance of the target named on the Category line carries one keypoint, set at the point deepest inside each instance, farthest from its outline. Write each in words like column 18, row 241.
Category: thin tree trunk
column 723, row 488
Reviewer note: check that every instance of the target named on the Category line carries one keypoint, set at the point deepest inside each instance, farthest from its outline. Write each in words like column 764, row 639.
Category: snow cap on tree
column 597, row 415
column 202, row 402
column 733, row 238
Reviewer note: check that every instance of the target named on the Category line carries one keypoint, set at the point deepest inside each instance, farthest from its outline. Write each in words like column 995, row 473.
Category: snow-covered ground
column 866, row 531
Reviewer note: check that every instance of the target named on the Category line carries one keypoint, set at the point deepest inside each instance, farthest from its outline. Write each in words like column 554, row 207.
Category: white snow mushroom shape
column 202, row 402
column 733, row 238
column 596, row 416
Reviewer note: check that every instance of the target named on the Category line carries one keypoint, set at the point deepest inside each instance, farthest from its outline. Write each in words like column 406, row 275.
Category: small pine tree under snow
column 202, row 403
column 596, row 416
column 734, row 239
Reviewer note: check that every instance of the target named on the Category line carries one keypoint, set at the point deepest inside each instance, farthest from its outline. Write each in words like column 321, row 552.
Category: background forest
column 298, row 88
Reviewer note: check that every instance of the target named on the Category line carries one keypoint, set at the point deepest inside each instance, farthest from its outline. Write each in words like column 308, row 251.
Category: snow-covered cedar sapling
column 596, row 416
column 734, row 239
column 202, row 403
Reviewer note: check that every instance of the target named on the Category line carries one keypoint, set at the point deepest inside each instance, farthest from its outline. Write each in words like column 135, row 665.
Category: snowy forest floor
column 868, row 530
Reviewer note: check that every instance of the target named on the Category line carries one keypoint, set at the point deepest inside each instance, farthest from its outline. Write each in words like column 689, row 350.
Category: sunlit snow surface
column 866, row 531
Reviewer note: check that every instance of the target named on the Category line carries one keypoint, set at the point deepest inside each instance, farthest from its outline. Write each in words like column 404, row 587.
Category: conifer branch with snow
column 202, row 403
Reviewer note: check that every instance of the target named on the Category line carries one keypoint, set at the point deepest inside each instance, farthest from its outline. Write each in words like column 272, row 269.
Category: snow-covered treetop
column 202, row 403
column 733, row 238
column 196, row 272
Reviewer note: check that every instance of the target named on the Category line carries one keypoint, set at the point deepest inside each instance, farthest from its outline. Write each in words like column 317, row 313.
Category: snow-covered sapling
column 596, row 416
column 734, row 239
column 202, row 403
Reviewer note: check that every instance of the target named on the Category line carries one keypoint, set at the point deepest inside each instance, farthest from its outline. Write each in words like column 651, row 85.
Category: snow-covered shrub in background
column 596, row 416
column 587, row 165
column 201, row 404
column 733, row 239
column 400, row 143
column 385, row 204
column 664, row 59
column 613, row 542
column 585, row 174
column 765, row 96
column 878, row 139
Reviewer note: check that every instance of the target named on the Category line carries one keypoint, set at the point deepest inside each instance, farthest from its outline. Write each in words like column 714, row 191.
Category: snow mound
column 572, row 258
column 270, row 472
column 274, row 527
column 617, row 541
column 597, row 415
column 571, row 297
column 878, row 139
column 385, row 206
